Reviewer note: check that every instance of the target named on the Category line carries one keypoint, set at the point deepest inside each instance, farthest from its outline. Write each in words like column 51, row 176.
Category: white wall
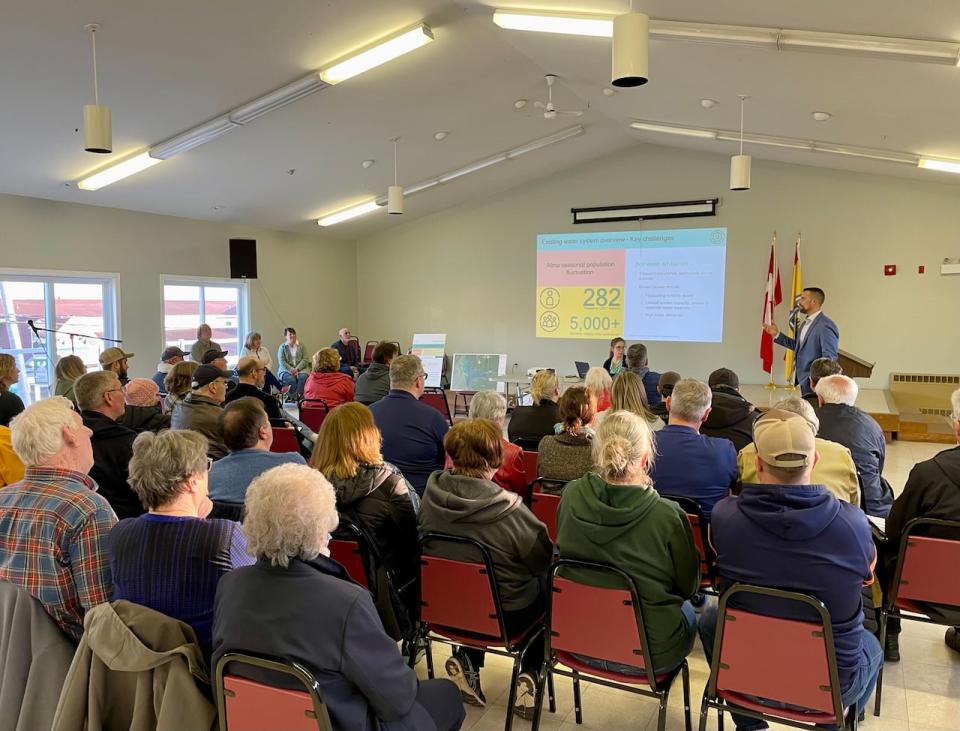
column 470, row 271
column 304, row 281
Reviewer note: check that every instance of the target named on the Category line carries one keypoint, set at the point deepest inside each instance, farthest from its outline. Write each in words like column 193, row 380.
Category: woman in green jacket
column 616, row 517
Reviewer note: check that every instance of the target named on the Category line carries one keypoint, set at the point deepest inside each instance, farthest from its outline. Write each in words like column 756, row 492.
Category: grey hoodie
column 373, row 384
column 475, row 508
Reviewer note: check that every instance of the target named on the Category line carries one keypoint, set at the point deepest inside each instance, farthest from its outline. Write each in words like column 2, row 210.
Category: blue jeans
column 270, row 381
column 864, row 679
column 296, row 384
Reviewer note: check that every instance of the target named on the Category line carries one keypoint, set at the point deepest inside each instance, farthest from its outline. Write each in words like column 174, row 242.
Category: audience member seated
column 768, row 536
column 616, row 517
column 317, row 617
column 412, row 431
column 614, row 362
column 11, row 468
column 248, row 435
column 598, row 383
column 168, row 359
column 100, row 397
column 628, row 394
column 529, row 424
column 143, row 412
column 834, row 468
column 374, row 383
column 932, row 491
column 10, row 403
column 326, row 382
column 464, row 502
column 69, row 369
column 567, row 455
column 200, row 409
column 215, row 357
column 637, row 363
column 53, row 524
column 251, row 376
column 348, row 349
column 731, row 415
column 665, row 385
column 844, row 423
column 375, row 497
column 253, row 348
column 690, row 464
column 292, row 364
column 172, row 558
column 177, row 383
column 116, row 360
column 820, row 368
column 204, row 343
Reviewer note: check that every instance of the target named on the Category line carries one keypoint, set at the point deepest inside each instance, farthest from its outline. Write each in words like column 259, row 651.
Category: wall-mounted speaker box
column 243, row 258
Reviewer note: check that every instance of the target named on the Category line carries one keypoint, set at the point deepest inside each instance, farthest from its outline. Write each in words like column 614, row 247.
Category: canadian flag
column 772, row 296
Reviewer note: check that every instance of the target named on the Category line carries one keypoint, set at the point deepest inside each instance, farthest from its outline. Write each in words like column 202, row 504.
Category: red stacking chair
column 784, row 661
column 544, row 504
column 460, row 605
column 354, row 347
column 247, row 705
column 284, row 439
column 925, row 574
column 701, row 538
column 437, row 399
column 530, row 463
column 368, row 352
column 349, row 552
column 313, row 412
column 619, row 636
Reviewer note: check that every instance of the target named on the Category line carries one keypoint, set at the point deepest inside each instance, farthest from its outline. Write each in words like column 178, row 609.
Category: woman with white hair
column 529, row 424
column 598, row 383
column 316, row 616
column 616, row 517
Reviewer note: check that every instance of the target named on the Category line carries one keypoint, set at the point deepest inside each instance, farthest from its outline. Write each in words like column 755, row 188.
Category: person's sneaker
column 526, row 699
column 467, row 678
column 891, row 648
column 952, row 638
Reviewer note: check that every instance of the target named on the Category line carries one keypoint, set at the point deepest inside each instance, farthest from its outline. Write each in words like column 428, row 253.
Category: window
column 188, row 302
column 80, row 309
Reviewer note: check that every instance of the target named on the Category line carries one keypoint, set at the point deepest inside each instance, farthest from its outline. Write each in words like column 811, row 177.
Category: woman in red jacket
column 326, row 382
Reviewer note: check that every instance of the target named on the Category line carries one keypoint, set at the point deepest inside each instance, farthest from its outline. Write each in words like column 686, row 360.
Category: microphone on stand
column 36, row 334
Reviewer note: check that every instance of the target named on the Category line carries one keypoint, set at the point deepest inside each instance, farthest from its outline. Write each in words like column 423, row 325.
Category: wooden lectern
column 854, row 366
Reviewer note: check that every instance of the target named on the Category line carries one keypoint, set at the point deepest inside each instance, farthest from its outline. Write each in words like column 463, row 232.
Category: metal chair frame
column 708, row 558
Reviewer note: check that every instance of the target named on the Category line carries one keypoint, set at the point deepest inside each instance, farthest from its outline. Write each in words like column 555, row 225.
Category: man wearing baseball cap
column 114, row 359
column 168, row 359
column 200, row 409
column 786, row 533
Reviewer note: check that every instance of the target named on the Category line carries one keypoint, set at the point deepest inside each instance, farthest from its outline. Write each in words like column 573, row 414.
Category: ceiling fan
column 550, row 110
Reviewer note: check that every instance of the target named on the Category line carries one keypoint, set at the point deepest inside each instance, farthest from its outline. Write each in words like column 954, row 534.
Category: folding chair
column 530, row 463
column 573, row 631
column 368, row 352
column 226, row 510
column 788, row 663
column 466, row 395
column 313, row 412
column 350, row 552
column 460, row 605
column 544, row 504
column 437, row 399
column 701, row 538
column 925, row 574
column 284, row 439
column 248, row 705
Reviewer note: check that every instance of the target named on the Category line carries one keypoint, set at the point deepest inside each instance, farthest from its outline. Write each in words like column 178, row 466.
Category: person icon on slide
column 817, row 336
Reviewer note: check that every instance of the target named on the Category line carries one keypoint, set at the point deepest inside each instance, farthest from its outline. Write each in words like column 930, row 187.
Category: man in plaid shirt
column 53, row 524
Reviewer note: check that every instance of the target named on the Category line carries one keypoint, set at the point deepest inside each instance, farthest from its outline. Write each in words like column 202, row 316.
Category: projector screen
column 639, row 285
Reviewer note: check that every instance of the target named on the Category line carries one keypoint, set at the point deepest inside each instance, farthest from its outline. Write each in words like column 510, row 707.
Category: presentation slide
column 639, row 285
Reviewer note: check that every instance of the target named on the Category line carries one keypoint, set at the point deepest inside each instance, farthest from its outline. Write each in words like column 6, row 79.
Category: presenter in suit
column 817, row 336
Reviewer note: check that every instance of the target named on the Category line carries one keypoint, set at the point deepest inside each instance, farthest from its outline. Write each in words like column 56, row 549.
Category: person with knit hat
column 143, row 412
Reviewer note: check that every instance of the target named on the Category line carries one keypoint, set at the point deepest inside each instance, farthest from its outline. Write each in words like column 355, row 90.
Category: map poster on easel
column 429, row 348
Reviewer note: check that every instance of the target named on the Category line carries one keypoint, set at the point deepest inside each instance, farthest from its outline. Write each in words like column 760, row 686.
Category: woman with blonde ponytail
column 614, row 516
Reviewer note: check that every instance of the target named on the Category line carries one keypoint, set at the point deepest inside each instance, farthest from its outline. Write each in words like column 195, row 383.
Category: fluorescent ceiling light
column 707, row 134
column 900, row 49
column 768, row 140
column 118, row 172
column 866, row 153
column 377, row 54
column 277, row 98
column 346, row 214
column 193, row 137
column 573, row 25
column 724, row 35
column 564, row 134
column 946, row 166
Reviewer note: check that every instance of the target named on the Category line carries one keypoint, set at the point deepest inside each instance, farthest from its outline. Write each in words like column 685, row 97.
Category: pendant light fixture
column 631, row 49
column 740, row 164
column 395, row 191
column 97, row 124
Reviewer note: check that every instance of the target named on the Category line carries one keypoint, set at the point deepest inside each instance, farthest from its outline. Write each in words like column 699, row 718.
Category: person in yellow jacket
column 11, row 468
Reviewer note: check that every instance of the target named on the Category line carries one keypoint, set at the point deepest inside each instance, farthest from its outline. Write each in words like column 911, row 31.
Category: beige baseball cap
column 784, row 439
column 112, row 355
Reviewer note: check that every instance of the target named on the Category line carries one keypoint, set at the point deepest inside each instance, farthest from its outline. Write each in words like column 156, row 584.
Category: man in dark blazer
column 817, row 336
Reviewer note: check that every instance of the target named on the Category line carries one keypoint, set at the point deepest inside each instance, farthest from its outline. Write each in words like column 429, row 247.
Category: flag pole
column 772, row 385
column 791, row 385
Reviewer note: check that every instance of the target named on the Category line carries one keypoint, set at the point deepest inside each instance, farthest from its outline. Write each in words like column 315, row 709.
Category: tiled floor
column 921, row 693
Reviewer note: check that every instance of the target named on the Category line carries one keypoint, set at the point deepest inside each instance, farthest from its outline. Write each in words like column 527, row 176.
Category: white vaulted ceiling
column 165, row 67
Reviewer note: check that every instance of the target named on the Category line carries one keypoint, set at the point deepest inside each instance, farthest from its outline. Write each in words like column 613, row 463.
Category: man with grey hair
column 201, row 408
column 844, row 423
column 835, row 468
column 412, row 431
column 53, row 524
column 637, row 362
column 690, row 464
column 932, row 491
column 820, row 368
column 101, row 400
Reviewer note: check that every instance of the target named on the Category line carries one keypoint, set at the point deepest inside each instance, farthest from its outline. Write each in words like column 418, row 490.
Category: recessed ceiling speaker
column 243, row 258
column 631, row 50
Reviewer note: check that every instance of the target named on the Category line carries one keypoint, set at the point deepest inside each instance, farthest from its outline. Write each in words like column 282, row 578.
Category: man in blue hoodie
column 788, row 534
